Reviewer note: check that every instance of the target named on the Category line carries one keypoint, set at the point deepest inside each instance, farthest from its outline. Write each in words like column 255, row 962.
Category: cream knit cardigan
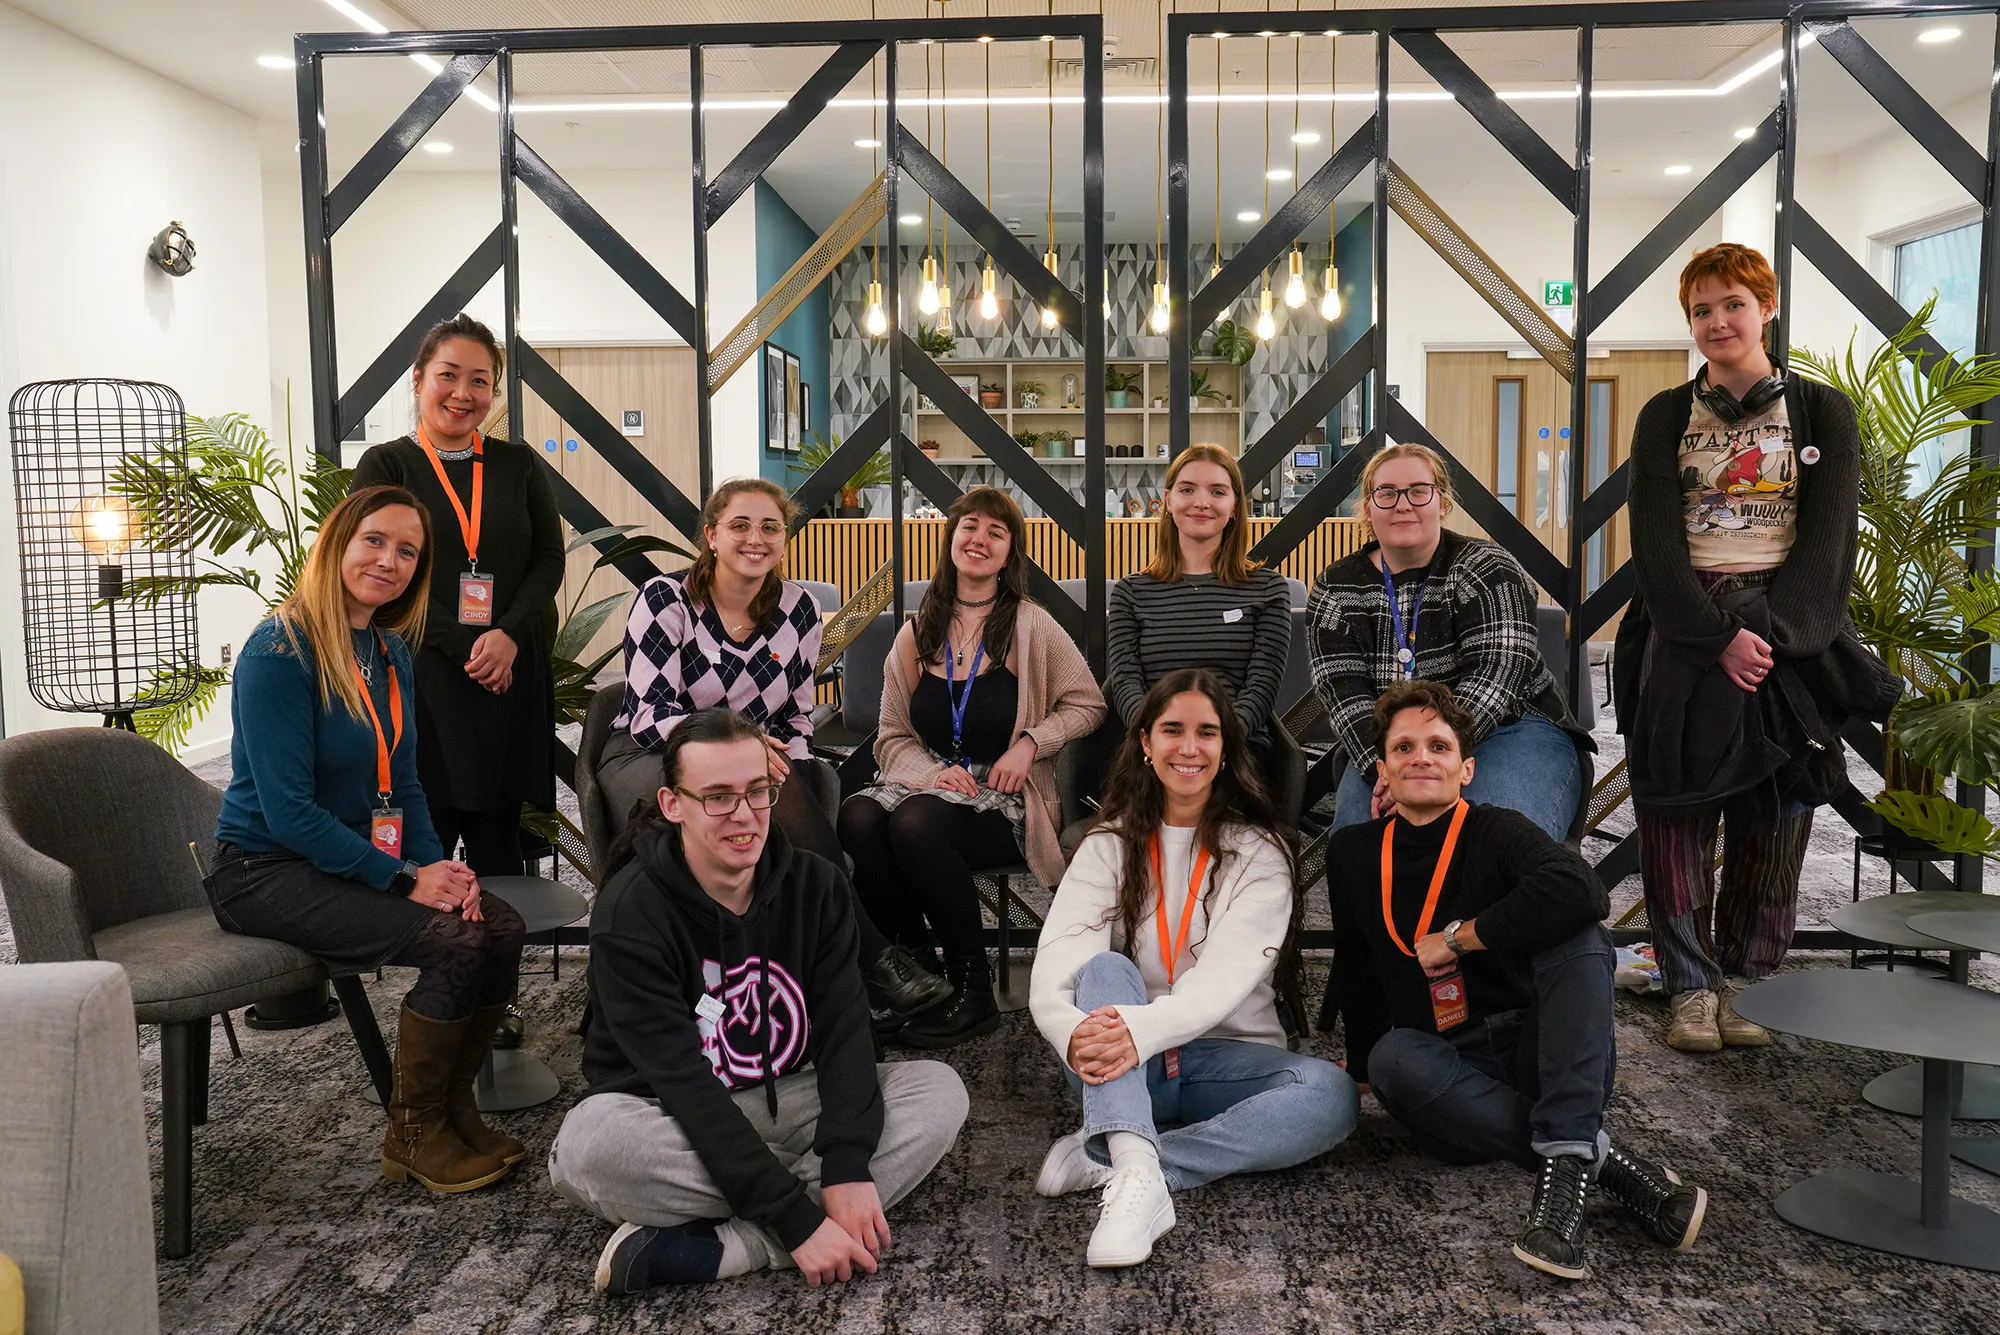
column 1059, row 700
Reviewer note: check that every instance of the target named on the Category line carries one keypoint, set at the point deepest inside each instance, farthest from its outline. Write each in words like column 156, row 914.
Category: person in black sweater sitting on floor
column 1489, row 1037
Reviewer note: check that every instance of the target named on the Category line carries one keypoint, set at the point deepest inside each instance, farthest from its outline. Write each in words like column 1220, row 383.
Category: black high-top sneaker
column 1669, row 1210
column 1553, row 1238
column 970, row 1011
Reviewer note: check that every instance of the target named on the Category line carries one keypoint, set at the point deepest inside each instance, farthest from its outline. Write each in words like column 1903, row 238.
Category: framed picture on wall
column 776, row 438
column 794, row 404
column 805, row 411
column 968, row 385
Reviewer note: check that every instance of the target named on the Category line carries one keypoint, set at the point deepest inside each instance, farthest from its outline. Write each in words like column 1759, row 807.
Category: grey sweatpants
column 620, row 1157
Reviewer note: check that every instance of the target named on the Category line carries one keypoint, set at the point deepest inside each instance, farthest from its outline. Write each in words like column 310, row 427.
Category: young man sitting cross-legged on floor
column 1476, row 986
column 736, row 1118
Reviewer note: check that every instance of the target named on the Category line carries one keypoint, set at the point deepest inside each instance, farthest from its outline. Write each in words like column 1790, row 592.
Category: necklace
column 366, row 662
column 957, row 649
column 984, row 602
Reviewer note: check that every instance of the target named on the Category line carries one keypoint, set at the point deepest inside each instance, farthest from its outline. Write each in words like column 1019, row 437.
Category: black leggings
column 915, row 864
column 492, row 838
column 464, row 964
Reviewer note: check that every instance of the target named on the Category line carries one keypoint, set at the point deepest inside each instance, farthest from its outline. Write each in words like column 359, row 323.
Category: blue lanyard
column 959, row 702
column 1406, row 641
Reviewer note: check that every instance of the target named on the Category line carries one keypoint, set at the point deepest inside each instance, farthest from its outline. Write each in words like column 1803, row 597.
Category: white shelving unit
column 1132, row 428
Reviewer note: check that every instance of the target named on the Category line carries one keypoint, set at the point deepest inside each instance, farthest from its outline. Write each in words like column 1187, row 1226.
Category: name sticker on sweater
column 708, row 1008
column 1232, row 616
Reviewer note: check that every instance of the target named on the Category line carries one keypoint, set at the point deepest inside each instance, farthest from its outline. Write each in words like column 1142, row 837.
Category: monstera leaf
column 1954, row 732
column 1939, row 821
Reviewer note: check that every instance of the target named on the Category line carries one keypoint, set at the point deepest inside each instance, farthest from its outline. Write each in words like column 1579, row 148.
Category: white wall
column 96, row 155
column 420, row 226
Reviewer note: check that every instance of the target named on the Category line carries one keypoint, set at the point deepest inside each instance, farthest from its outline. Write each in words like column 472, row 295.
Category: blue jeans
column 1522, row 1085
column 1529, row 766
column 1239, row 1107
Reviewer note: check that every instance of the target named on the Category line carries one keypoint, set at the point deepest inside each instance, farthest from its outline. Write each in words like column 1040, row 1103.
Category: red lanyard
column 1437, row 877
column 1170, row 949
column 384, row 744
column 468, row 525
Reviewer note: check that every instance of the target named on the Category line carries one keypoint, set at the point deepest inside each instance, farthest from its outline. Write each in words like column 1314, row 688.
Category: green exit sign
column 1557, row 292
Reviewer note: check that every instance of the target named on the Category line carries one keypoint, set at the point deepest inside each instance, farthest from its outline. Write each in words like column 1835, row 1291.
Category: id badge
column 475, row 600
column 1448, row 1005
column 385, row 831
column 1173, row 1056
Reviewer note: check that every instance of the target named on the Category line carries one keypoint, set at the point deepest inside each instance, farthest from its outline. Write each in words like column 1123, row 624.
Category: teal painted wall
column 782, row 236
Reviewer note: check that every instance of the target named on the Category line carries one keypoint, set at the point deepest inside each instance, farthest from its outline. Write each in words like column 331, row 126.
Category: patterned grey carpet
column 296, row 1230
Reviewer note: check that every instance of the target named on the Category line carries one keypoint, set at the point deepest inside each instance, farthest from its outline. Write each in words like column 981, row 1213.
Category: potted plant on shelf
column 936, row 342
column 1118, row 386
column 1055, row 444
column 1915, row 599
column 1199, row 388
column 1028, row 394
column 1028, row 440
column 992, row 395
column 874, row 472
column 929, row 448
column 1234, row 343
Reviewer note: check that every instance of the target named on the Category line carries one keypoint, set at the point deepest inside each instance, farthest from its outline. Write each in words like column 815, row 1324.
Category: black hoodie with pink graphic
column 691, row 1003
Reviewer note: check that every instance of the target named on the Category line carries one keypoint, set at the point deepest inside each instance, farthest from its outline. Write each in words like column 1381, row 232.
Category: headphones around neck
column 1731, row 409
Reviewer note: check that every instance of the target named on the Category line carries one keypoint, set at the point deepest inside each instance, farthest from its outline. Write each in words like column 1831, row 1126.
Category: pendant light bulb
column 1049, row 317
column 1267, row 328
column 1107, row 293
column 989, row 300
column 1162, row 316
column 927, row 297
column 875, row 320
column 1329, row 304
column 1295, row 286
column 944, row 310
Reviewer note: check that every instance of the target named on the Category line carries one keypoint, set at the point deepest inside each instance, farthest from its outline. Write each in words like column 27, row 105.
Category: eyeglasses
column 1418, row 493
column 717, row 805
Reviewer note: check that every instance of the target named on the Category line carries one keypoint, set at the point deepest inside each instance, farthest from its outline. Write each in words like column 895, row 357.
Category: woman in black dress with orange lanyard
column 485, row 699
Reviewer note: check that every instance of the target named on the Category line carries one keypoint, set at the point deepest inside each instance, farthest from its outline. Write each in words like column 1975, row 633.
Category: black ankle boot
column 898, row 983
column 971, row 1011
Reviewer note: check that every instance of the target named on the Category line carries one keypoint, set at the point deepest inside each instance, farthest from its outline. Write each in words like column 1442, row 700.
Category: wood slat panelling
column 846, row 552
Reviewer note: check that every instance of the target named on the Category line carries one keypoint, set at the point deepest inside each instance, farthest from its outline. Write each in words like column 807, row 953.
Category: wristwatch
column 405, row 880
column 1451, row 935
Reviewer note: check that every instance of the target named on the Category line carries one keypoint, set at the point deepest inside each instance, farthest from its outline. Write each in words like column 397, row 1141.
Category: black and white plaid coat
column 1475, row 633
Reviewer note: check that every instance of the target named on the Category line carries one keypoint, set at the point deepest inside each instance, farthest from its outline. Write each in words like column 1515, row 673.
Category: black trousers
column 492, row 839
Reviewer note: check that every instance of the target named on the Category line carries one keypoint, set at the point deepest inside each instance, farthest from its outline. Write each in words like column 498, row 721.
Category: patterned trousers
column 1698, row 936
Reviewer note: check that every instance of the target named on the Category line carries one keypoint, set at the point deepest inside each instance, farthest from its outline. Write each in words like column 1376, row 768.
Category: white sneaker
column 1137, row 1210
column 1068, row 1168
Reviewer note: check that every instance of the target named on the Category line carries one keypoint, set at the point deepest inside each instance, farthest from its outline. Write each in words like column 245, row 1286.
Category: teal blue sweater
column 303, row 776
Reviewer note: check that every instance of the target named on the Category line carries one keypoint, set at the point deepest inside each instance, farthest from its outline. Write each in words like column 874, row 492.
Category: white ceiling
column 1669, row 111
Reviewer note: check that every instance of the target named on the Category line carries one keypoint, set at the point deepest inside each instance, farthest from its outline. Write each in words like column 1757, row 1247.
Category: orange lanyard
column 384, row 744
column 1170, row 950
column 468, row 525
column 1437, row 877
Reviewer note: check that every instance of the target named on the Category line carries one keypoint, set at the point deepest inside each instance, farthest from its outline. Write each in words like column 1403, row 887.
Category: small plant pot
column 992, row 398
column 1030, row 399
column 1117, row 398
column 1058, row 449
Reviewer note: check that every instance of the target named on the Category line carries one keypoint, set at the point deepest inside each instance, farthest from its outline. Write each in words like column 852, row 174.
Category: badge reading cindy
column 475, row 600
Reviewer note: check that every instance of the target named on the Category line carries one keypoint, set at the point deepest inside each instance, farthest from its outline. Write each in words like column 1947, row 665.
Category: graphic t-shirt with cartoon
column 1739, row 488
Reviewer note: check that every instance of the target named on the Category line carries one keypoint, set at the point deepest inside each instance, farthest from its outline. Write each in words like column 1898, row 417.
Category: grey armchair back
column 600, row 825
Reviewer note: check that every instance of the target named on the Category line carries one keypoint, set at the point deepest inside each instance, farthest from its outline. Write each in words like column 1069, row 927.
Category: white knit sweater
column 1222, row 980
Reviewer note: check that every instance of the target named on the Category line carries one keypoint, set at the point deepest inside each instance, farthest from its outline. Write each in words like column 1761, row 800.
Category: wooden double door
column 1507, row 419
column 656, row 381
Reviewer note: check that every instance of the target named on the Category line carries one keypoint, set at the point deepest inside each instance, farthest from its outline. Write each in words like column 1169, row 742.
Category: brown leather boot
column 460, row 1105
column 420, row 1142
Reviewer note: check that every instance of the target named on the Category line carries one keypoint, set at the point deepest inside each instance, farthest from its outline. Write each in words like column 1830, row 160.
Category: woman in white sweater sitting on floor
column 1170, row 945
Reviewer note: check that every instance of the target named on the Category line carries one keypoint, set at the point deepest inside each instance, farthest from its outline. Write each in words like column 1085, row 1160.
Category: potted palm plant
column 936, row 342
column 1234, row 343
column 1199, row 389
column 874, row 472
column 1118, row 385
column 1916, row 600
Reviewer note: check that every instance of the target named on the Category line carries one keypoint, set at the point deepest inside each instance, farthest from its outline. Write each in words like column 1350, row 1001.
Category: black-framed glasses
column 761, row 798
column 1419, row 494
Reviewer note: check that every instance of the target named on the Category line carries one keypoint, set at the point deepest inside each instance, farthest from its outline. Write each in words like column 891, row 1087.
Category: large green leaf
column 596, row 535
column 643, row 545
column 1954, row 731
column 1939, row 821
column 169, row 725
column 580, row 629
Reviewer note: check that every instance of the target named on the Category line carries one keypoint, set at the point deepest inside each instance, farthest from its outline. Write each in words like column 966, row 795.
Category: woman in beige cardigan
column 980, row 691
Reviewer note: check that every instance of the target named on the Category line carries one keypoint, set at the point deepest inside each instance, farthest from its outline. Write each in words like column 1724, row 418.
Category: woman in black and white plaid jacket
column 1464, row 616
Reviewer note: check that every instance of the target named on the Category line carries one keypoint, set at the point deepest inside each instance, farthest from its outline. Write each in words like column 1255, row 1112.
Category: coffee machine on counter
column 1303, row 470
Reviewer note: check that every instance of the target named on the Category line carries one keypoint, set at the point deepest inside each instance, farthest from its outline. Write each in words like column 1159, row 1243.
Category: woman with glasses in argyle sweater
column 1421, row 602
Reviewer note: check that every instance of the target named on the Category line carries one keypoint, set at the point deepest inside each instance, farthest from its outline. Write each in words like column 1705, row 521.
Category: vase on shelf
column 1031, row 398
column 1117, row 398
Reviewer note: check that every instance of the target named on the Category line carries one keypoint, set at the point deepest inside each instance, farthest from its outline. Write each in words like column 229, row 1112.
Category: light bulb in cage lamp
column 1329, row 304
column 103, row 525
column 1162, row 315
column 875, row 320
column 927, row 296
column 1267, row 328
column 989, row 300
column 944, row 310
column 173, row 250
column 1295, row 286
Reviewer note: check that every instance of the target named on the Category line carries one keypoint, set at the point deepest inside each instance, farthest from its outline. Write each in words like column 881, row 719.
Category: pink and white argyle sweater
column 678, row 658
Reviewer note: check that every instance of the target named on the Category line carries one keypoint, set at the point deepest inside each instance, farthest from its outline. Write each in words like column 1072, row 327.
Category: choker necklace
column 986, row 602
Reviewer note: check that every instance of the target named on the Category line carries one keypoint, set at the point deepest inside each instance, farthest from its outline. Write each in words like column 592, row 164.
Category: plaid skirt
column 1011, row 805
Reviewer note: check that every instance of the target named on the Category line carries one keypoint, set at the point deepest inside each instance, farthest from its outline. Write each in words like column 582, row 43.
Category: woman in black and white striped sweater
column 1464, row 615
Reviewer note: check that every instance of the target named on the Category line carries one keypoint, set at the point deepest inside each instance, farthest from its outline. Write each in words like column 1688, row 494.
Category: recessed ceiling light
column 1278, row 174
column 1306, row 137
column 437, row 146
column 1746, row 132
column 277, row 62
column 1248, row 215
column 1932, row 36
column 911, row 219
column 868, row 143
column 1679, row 169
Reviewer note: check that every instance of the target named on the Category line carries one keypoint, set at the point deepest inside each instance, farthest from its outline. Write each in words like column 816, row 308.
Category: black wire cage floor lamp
column 107, row 611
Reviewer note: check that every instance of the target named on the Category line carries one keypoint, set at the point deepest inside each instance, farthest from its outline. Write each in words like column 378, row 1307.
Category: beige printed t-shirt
column 1739, row 488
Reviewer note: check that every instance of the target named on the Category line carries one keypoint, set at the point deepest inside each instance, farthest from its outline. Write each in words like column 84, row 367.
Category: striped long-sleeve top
column 1240, row 632
column 1475, row 628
